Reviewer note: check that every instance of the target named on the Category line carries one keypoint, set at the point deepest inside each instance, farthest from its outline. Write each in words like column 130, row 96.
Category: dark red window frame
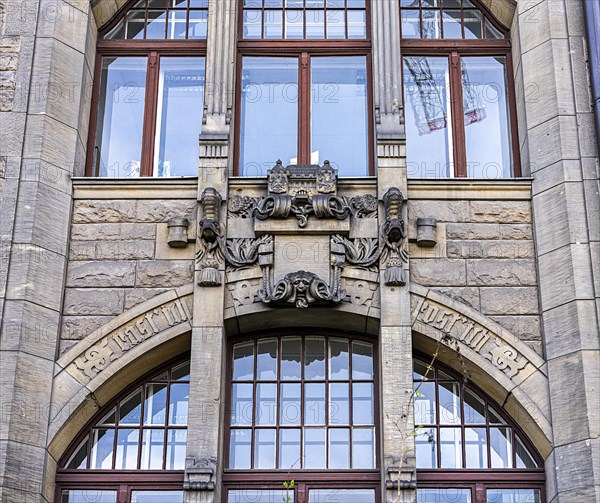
column 479, row 480
column 304, row 49
column 153, row 49
column 453, row 49
column 305, row 479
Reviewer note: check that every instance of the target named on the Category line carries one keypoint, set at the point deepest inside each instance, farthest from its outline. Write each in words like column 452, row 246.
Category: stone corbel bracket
column 209, row 256
column 200, row 474
column 394, row 256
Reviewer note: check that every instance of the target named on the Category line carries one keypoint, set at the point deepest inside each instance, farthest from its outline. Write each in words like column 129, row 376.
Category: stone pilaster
column 395, row 345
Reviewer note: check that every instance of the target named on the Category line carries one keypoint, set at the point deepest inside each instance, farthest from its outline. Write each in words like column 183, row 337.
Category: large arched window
column 467, row 449
column 148, row 95
column 302, row 408
column 304, row 85
column 134, row 450
column 459, row 106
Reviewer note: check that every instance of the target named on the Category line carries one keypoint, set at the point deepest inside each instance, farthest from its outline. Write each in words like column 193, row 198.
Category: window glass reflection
column 289, row 448
column 178, row 403
column 429, row 148
column 314, row 447
column 487, row 126
column 362, row 360
column 513, row 496
column 425, row 403
column 88, row 496
column 153, row 443
column 291, row 411
column 501, row 447
column 338, row 359
column 476, row 448
column 102, row 449
column 524, row 457
column 243, row 361
column 118, row 144
column 339, row 403
column 266, row 360
column 176, row 448
column 266, row 404
column 269, row 116
column 179, row 115
column 241, row 404
column 363, row 448
column 240, row 449
column 127, row 449
column 314, row 365
column 157, row 497
column 291, row 358
column 339, row 113
column 445, row 495
column 341, row 496
column 426, row 447
column 449, row 403
column 264, row 448
column 259, row 496
column 339, row 448
column 155, row 404
column 450, row 448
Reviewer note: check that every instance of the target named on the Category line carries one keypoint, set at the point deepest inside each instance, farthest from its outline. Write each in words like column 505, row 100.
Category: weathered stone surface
column 104, row 211
column 526, row 328
column 516, row 231
column 443, row 211
column 101, row 274
column 164, row 273
column 490, row 249
column 438, row 272
column 123, row 250
column 161, row 211
column 136, row 296
column 501, row 211
column 509, row 300
column 106, row 232
column 464, row 249
column 496, row 272
column 466, row 295
column 78, row 327
column 94, row 301
column 473, row 231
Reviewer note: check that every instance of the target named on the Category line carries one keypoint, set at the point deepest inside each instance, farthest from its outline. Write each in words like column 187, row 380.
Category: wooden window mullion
column 458, row 122
column 149, row 127
column 304, row 103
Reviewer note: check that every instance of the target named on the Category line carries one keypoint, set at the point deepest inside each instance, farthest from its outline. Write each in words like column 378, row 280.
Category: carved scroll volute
column 393, row 233
column 209, row 257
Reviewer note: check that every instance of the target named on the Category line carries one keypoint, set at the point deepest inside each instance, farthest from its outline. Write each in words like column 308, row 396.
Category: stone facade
column 92, row 296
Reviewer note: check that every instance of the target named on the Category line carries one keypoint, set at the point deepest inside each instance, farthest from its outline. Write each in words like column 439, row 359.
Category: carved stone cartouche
column 209, row 256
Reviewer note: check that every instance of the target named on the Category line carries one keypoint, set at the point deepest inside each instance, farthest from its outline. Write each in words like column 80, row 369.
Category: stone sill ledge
column 187, row 188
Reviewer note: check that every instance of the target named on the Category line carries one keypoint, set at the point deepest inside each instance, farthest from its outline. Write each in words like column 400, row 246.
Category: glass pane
column 339, row 97
column 476, row 447
column 136, row 20
column 267, row 360
column 452, row 23
column 485, row 106
column 314, row 404
column 432, row 25
column 153, row 444
column 176, row 447
column 336, row 24
column 240, row 449
column 269, row 119
column 156, row 404
column 156, row 496
column 290, row 411
column 178, row 403
column 264, row 449
column 243, row 361
column 177, row 25
column 339, row 403
column 445, row 495
column 266, row 404
column 411, row 23
column 291, row 358
column 155, row 28
column 88, row 496
column 362, row 360
column 494, row 417
column 449, row 403
column 314, row 447
column 474, row 408
column 273, row 23
column 294, row 24
column 314, row 358
column 420, row 371
column 118, row 31
column 491, row 31
column 513, row 496
column 260, row 496
column 363, row 448
column 181, row 372
column 127, row 449
column 102, row 449
column 501, row 447
column 524, row 457
column 357, row 24
column 252, row 23
column 78, row 460
column 338, row 359
column 473, row 28
column 341, row 496
column 198, row 24
column 451, row 448
column 179, row 116
column 425, row 403
column 362, row 403
column 241, row 404
column 118, row 144
column 356, row 4
column 289, row 448
column 315, row 24
column 429, row 149
column 426, row 447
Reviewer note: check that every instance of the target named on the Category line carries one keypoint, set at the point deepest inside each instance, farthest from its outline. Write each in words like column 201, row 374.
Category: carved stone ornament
column 302, row 191
column 199, row 474
column 209, row 256
column 393, row 232
column 301, row 289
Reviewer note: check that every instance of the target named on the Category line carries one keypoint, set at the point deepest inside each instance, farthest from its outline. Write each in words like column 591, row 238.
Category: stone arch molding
column 497, row 360
column 91, row 373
